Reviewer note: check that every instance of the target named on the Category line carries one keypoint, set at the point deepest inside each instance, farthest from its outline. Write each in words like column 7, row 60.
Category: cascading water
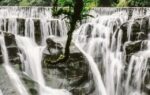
column 31, row 53
column 32, row 61
column 97, row 40
column 100, row 40
column 12, row 74
column 97, row 45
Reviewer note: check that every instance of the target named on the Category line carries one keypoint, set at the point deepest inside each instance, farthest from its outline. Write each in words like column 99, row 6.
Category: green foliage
column 139, row 3
column 35, row 2
column 122, row 3
column 66, row 7
column 88, row 3
column 74, row 12
column 133, row 3
column 25, row 2
column 9, row 2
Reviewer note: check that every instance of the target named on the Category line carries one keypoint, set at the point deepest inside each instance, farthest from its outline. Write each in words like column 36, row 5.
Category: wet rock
column 139, row 29
column 89, row 30
column 56, row 27
column 1, row 59
column 9, row 39
column 11, row 48
column 131, row 48
column 31, row 85
column 72, row 75
column 52, row 44
column 5, row 84
column 38, row 34
column 21, row 26
column 145, row 25
column 53, row 49
column 123, row 27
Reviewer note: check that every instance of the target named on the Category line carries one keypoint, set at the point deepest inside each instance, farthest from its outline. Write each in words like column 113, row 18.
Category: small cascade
column 32, row 57
column 10, row 71
column 95, row 71
column 29, row 29
column 136, row 74
column 23, row 20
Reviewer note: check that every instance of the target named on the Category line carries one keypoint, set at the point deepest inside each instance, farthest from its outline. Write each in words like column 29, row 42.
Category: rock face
column 134, row 34
column 134, row 47
column 72, row 75
column 12, row 49
column 138, row 29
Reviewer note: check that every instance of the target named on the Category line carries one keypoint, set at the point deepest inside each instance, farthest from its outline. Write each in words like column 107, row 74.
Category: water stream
column 12, row 74
column 30, row 52
column 96, row 40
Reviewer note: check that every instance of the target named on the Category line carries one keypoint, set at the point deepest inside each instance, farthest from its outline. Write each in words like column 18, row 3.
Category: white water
column 95, row 71
column 1, row 92
column 12, row 74
column 32, row 57
column 105, row 58
column 139, row 71
column 29, row 29
column 31, row 53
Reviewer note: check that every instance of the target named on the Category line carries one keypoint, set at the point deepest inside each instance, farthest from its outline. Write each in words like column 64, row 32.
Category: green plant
column 139, row 3
column 74, row 11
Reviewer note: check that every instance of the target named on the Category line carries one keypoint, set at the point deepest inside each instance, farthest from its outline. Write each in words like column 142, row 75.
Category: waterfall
column 12, row 74
column 97, row 40
column 32, row 57
column 95, row 71
column 29, row 29
column 102, row 40
column 139, row 71
column 30, row 52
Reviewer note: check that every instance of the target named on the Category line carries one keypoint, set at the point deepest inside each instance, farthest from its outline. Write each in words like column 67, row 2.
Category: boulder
column 72, row 74
column 133, row 47
column 53, row 49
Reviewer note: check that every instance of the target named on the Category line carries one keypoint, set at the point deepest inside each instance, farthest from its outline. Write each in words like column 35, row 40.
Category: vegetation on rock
column 74, row 13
